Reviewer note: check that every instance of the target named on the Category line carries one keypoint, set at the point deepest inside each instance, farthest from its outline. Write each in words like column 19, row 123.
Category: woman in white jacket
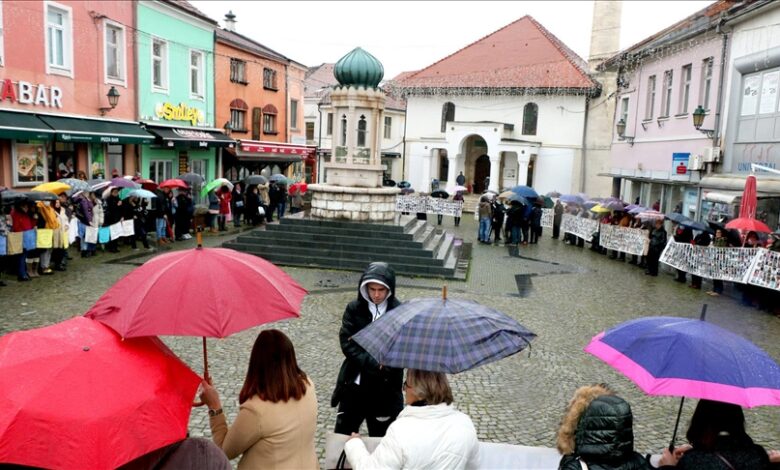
column 428, row 434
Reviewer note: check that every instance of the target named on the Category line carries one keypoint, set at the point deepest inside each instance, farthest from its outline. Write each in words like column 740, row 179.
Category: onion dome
column 359, row 68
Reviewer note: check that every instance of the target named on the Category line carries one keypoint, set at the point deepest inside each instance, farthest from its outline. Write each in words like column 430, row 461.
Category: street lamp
column 620, row 127
column 113, row 100
column 698, row 120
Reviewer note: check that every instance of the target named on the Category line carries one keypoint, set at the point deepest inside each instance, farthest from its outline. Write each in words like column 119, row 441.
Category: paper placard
column 29, row 241
column 765, row 271
column 91, row 234
column 548, row 216
column 44, row 238
column 15, row 243
column 115, row 231
column 3, row 245
column 128, row 228
column 104, row 235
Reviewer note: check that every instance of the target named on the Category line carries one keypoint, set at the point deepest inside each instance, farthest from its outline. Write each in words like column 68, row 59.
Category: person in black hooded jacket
column 597, row 430
column 365, row 390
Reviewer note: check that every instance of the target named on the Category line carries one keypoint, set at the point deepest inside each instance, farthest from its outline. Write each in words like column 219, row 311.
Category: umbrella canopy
column 638, row 210
column 456, row 189
column 553, row 194
column 748, row 225
column 518, row 199
column 209, row 292
column 123, row 183
column 278, row 177
column 75, row 185
column 301, row 187
column 650, row 215
column 255, row 179
column 678, row 218
column 192, row 179
column 599, row 209
column 100, row 185
column 217, row 183
column 613, row 205
column 76, row 395
column 547, row 202
column 440, row 194
column 683, row 357
column 747, row 209
column 404, row 184
column 147, row 184
column 572, row 199
column 525, row 191
column 54, row 187
column 9, row 196
column 126, row 193
column 442, row 335
column 506, row 195
column 174, row 183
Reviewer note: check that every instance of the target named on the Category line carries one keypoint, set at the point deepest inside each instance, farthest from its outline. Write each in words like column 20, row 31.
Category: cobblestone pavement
column 564, row 294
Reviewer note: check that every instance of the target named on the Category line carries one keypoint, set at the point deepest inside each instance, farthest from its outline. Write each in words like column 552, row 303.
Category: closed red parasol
column 747, row 210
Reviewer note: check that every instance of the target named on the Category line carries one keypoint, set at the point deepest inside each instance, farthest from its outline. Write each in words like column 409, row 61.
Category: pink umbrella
column 749, row 199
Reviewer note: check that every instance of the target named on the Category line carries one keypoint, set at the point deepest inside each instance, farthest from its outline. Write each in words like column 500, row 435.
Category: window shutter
column 257, row 122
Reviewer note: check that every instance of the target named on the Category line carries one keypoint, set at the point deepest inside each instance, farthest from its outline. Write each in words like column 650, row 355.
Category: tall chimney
column 605, row 33
column 230, row 21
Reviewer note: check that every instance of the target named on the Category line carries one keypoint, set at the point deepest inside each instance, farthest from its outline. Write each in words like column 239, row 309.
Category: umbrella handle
column 205, row 371
column 676, row 424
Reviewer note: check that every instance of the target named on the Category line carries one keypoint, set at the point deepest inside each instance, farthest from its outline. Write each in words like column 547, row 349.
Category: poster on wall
column 547, row 218
column 579, row 226
column 768, row 93
column 750, row 95
column 428, row 205
column 726, row 264
column 29, row 162
column 633, row 241
column 680, row 163
column 765, row 271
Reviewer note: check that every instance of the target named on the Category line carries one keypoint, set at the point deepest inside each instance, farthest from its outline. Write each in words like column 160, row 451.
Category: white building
column 319, row 119
column 510, row 106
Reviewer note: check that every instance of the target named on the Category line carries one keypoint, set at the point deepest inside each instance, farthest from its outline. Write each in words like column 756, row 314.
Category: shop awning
column 735, row 182
column 191, row 137
column 23, row 126
column 68, row 129
column 273, row 152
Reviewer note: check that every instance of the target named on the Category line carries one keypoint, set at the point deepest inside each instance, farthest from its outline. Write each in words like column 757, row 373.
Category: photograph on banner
column 547, row 218
column 633, row 241
column 766, row 270
column 429, row 205
column 579, row 226
column 725, row 264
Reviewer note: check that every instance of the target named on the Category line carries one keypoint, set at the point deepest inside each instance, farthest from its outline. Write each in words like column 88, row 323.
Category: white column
column 495, row 166
column 522, row 169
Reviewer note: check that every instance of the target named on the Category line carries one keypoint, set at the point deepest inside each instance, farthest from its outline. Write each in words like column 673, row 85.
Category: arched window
column 343, row 130
column 361, row 130
column 530, row 115
column 238, row 109
column 447, row 115
column 269, row 119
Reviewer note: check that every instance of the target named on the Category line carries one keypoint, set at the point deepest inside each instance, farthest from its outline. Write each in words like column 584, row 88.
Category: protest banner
column 726, row 264
column 765, row 271
column 633, row 241
column 547, row 218
column 428, row 205
column 579, row 226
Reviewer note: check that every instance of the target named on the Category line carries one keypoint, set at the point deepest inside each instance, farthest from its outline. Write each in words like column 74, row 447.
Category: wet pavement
column 563, row 293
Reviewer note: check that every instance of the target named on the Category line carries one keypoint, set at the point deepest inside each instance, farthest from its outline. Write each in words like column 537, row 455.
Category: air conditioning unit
column 695, row 162
column 711, row 154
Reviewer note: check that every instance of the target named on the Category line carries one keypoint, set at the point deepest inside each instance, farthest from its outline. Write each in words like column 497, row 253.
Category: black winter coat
column 383, row 384
column 605, row 439
column 741, row 454
column 658, row 239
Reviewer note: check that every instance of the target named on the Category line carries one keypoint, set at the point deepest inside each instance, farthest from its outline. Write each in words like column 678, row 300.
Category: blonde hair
column 582, row 398
column 431, row 387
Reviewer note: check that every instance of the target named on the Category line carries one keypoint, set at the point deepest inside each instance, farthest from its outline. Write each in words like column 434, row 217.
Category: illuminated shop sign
column 182, row 112
column 34, row 94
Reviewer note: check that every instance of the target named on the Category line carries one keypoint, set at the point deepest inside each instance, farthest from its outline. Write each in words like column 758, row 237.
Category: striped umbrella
column 442, row 335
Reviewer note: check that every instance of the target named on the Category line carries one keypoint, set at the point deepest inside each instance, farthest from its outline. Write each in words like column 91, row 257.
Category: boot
column 32, row 268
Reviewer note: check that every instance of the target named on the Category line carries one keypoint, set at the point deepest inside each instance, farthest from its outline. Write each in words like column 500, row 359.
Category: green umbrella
column 216, row 184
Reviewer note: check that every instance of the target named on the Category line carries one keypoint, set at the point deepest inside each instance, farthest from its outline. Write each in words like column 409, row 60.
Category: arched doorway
column 481, row 172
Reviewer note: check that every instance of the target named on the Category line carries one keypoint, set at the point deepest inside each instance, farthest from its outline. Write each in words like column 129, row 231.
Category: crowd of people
column 169, row 216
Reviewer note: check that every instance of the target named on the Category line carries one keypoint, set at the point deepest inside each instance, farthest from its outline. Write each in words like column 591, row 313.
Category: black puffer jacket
column 382, row 383
column 605, row 438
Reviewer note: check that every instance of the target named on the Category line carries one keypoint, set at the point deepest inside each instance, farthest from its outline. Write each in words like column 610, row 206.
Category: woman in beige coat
column 277, row 416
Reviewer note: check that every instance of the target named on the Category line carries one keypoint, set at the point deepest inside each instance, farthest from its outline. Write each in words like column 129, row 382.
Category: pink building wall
column 25, row 56
column 651, row 153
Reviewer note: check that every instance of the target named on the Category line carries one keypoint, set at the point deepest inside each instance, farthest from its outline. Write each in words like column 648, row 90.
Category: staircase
column 410, row 246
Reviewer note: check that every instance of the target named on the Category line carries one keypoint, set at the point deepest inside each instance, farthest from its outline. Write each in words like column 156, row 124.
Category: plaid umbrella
column 442, row 335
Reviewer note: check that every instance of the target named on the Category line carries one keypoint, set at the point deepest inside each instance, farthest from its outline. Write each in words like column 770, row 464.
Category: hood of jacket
column 577, row 406
column 605, row 430
column 380, row 273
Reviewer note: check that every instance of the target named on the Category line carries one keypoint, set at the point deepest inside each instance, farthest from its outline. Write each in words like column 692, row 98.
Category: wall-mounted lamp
column 113, row 100
column 620, row 127
column 698, row 120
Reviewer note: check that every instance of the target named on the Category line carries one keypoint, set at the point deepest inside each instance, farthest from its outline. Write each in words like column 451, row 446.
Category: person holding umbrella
column 557, row 219
column 183, row 215
column 657, row 244
column 365, row 390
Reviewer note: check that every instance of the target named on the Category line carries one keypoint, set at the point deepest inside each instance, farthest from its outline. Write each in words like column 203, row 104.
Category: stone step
column 399, row 225
column 405, row 248
column 358, row 230
column 340, row 251
column 307, row 237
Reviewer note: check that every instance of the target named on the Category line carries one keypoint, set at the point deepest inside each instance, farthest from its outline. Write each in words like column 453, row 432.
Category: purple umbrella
column 614, row 205
column 123, row 183
column 443, row 335
column 571, row 199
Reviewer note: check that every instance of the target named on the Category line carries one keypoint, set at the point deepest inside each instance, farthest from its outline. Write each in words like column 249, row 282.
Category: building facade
column 59, row 62
column 176, row 100
column 509, row 109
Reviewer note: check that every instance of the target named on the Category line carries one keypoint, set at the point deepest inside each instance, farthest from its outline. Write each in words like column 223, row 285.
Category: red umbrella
column 75, row 395
column 748, row 225
column 747, row 209
column 302, row 187
column 208, row 292
column 147, row 184
column 174, row 183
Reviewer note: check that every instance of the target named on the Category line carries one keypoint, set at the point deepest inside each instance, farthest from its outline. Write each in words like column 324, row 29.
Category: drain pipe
column 319, row 144
column 584, row 151
column 403, row 155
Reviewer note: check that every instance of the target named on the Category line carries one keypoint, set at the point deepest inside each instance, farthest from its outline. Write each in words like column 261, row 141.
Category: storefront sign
column 271, row 148
column 680, row 163
column 182, row 112
column 31, row 93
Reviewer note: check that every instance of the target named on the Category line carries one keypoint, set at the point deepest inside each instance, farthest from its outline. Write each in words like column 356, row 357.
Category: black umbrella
column 40, row 196
column 193, row 179
column 440, row 194
column 404, row 184
column 255, row 179
column 679, row 218
column 12, row 197
column 9, row 196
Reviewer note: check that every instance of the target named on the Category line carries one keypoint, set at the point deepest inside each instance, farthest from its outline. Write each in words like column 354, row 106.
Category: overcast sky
column 411, row 35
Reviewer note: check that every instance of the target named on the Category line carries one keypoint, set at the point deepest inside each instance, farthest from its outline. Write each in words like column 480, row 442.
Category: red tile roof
column 318, row 81
column 523, row 54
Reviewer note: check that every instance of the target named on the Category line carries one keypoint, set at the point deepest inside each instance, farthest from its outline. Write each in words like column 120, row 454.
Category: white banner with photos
column 726, row 264
column 579, row 226
column 765, row 271
column 633, row 241
column 547, row 218
column 429, row 205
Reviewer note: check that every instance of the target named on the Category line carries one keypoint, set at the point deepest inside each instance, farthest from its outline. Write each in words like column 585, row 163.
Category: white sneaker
column 186, row 236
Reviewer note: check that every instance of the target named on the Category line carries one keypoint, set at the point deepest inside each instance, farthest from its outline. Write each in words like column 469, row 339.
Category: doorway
column 481, row 173
column 62, row 161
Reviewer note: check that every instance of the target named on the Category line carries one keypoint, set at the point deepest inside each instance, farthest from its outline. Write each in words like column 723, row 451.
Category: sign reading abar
column 428, row 205
column 633, row 241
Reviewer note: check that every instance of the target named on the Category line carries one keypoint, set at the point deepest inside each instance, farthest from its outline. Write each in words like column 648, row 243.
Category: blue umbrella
column 525, row 191
column 442, row 335
column 277, row 178
column 517, row 198
column 678, row 218
column 142, row 193
column 571, row 199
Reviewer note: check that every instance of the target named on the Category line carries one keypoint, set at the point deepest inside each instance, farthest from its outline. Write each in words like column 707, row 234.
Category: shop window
column 59, row 39
column 269, row 79
column 116, row 163
column 238, row 71
column 114, row 46
column 530, row 116
column 160, row 170
column 97, row 161
column 29, row 163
